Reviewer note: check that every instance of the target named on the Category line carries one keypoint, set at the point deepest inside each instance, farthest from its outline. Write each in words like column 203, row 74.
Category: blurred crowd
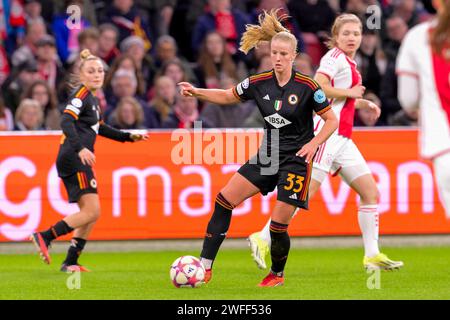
column 149, row 46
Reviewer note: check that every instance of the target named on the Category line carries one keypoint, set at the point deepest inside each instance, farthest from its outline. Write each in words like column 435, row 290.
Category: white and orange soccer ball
column 187, row 271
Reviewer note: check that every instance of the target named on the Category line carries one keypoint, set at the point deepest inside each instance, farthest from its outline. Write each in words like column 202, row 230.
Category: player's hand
column 138, row 137
column 356, row 92
column 375, row 110
column 87, row 157
column 187, row 89
column 308, row 151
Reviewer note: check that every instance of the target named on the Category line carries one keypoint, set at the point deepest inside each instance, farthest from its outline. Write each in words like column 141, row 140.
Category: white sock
column 207, row 263
column 265, row 232
column 369, row 225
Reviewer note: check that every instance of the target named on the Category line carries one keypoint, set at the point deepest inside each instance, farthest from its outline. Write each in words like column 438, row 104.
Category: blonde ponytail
column 269, row 26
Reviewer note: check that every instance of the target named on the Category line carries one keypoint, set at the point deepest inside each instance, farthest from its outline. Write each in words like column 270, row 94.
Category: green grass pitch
column 310, row 274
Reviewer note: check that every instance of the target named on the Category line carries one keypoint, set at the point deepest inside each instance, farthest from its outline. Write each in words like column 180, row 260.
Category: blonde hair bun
column 85, row 54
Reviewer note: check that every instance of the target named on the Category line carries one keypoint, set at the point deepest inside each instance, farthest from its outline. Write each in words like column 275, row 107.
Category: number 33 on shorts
column 295, row 182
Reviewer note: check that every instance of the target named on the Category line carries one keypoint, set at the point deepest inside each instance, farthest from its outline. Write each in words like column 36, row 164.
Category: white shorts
column 339, row 155
column 442, row 175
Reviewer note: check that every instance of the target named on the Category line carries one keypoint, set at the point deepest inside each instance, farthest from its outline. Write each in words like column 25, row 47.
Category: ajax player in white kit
column 423, row 68
column 341, row 81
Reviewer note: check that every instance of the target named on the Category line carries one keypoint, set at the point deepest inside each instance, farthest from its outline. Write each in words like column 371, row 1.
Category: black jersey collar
column 276, row 80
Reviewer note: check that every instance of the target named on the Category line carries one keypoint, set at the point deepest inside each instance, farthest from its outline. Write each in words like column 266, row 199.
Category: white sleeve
column 408, row 92
column 406, row 59
column 329, row 66
column 406, row 69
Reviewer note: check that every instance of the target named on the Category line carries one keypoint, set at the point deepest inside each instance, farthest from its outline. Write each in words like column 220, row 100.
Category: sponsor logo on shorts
column 293, row 196
column 93, row 183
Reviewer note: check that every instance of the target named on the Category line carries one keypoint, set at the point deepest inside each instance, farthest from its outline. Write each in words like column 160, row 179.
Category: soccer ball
column 187, row 271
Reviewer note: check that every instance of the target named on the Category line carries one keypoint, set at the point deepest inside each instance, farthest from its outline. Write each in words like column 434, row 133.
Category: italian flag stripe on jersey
column 278, row 104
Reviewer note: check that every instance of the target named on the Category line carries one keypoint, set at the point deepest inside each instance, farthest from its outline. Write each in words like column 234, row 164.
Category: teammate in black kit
column 80, row 123
column 287, row 100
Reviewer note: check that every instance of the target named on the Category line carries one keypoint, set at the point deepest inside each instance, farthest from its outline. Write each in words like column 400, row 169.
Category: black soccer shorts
column 80, row 183
column 291, row 180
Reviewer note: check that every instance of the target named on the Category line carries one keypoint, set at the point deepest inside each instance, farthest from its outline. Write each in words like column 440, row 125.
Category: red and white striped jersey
column 417, row 59
column 343, row 74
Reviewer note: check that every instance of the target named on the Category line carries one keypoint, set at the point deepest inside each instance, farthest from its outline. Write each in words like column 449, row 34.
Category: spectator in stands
column 126, row 62
column 4, row 65
column 134, row 47
column 408, row 11
column 124, row 84
column 33, row 10
column 226, row 21
column 125, row 16
column 184, row 114
column 87, row 39
column 289, row 23
column 164, row 99
column 314, row 18
column 262, row 51
column 20, row 78
column 226, row 116
column 363, row 118
column 175, row 70
column 67, row 38
column 213, row 61
column 29, row 116
column 107, row 43
column 167, row 50
column 128, row 115
column 6, row 117
column 26, row 52
column 368, row 58
column 48, row 64
column 41, row 92
column 304, row 64
column 12, row 26
column 396, row 29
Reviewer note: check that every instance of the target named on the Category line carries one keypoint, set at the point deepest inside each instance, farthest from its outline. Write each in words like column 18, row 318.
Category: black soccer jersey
column 80, row 123
column 288, row 109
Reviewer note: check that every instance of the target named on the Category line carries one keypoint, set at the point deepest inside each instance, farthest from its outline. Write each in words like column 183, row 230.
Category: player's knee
column 93, row 212
column 370, row 196
column 224, row 201
column 443, row 179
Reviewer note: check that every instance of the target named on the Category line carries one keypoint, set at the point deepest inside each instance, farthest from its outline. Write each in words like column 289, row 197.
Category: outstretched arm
column 118, row 135
column 216, row 96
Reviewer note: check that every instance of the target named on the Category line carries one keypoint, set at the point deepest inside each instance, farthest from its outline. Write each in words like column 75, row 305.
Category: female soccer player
column 80, row 123
column 341, row 81
column 287, row 100
column 423, row 68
